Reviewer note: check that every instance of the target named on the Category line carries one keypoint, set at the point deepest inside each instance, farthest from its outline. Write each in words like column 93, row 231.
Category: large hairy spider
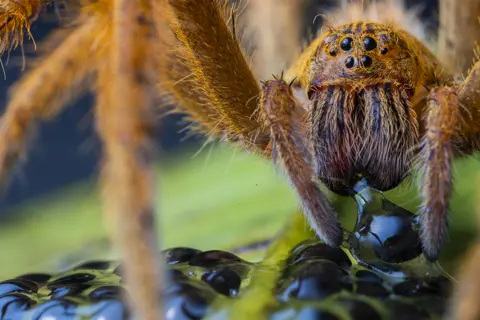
column 365, row 99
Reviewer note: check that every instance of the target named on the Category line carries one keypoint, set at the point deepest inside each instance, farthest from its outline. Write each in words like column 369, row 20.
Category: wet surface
column 378, row 273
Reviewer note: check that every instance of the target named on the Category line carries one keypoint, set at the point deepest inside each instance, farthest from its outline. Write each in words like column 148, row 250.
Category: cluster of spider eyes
column 368, row 43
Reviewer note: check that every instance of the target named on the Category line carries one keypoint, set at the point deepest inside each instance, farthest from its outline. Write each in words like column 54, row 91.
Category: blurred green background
column 219, row 199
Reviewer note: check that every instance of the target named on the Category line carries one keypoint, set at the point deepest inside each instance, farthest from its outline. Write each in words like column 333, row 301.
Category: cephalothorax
column 364, row 100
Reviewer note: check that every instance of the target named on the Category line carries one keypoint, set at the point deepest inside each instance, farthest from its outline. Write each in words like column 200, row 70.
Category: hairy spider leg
column 435, row 160
column 278, row 111
column 451, row 130
column 220, row 72
column 122, row 121
column 458, row 32
column 275, row 28
column 42, row 92
column 125, row 123
column 464, row 304
column 15, row 20
column 214, row 65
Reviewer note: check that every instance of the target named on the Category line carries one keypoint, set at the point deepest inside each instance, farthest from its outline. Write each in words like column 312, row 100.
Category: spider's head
column 362, row 54
column 360, row 80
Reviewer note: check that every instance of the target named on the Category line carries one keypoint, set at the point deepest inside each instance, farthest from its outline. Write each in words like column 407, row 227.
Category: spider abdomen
column 362, row 132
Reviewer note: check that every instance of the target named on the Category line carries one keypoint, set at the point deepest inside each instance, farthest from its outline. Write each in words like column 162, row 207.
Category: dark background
column 67, row 149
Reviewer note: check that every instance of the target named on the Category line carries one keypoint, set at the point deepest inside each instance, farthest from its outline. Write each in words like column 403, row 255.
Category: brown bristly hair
column 39, row 95
column 15, row 20
column 274, row 29
column 458, row 34
column 277, row 112
column 124, row 121
column 219, row 70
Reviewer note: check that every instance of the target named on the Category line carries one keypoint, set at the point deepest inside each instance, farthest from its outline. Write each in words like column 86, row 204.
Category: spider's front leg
column 451, row 128
column 442, row 117
column 280, row 113
column 465, row 304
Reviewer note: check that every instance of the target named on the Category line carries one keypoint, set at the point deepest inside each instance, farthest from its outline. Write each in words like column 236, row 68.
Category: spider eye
column 349, row 62
column 346, row 44
column 332, row 52
column 369, row 43
column 384, row 51
column 366, row 61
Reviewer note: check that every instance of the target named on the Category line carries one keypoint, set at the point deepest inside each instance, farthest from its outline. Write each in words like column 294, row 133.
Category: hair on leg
column 442, row 118
column 459, row 30
column 218, row 69
column 275, row 29
column 125, row 124
column 15, row 20
column 278, row 112
column 42, row 92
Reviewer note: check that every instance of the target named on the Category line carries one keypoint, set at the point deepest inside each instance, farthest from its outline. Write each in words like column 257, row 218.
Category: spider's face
column 361, row 80
column 362, row 54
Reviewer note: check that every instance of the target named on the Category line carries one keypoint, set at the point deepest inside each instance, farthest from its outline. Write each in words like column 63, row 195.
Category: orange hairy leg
column 102, row 46
column 451, row 129
column 442, row 117
column 15, row 19
column 458, row 32
column 276, row 30
column 281, row 114
column 42, row 92
column 178, row 79
column 230, row 92
column 219, row 71
column 124, row 122
column 464, row 304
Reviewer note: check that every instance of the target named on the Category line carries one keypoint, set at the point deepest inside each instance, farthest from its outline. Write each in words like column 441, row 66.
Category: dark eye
column 346, row 44
column 366, row 61
column 369, row 43
column 384, row 51
column 349, row 62
column 332, row 52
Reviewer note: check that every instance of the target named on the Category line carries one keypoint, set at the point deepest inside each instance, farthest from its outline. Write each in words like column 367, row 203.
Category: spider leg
column 42, row 92
column 15, row 19
column 229, row 94
column 214, row 65
column 125, row 125
column 442, row 117
column 451, row 129
column 465, row 304
column 459, row 30
column 276, row 30
column 278, row 112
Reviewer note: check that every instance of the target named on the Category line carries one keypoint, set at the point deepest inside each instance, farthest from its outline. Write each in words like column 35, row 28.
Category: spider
column 365, row 99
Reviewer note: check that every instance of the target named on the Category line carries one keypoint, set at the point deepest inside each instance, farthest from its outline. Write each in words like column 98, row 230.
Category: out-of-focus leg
column 42, row 92
column 459, row 29
column 273, row 29
column 125, row 124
